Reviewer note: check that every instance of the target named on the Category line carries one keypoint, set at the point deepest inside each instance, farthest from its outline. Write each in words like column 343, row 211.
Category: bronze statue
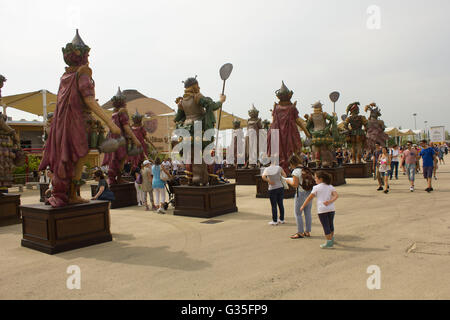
column 375, row 127
column 356, row 128
column 323, row 130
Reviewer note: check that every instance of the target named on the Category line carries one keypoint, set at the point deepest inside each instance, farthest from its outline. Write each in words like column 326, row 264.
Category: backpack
column 308, row 181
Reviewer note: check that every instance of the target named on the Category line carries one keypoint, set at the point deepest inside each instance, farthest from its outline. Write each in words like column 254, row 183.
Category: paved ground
column 167, row 257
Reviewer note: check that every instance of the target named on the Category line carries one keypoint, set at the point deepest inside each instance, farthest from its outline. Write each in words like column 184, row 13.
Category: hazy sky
column 314, row 46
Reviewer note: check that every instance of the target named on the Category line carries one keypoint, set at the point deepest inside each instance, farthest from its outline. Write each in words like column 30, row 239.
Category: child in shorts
column 326, row 196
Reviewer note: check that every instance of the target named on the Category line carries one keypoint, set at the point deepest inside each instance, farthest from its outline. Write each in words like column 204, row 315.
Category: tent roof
column 31, row 102
column 225, row 124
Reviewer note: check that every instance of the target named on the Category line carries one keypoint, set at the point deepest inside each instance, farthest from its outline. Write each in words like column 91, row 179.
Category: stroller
column 169, row 188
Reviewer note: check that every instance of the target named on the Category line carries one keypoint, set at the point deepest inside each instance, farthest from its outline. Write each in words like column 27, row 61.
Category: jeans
column 394, row 165
column 411, row 171
column 276, row 198
column 299, row 200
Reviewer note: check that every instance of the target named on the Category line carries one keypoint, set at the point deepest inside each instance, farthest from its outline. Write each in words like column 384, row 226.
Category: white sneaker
column 273, row 223
column 281, row 222
column 411, row 189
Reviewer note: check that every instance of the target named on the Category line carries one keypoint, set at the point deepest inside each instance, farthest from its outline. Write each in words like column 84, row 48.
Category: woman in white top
column 273, row 176
column 395, row 155
column 295, row 163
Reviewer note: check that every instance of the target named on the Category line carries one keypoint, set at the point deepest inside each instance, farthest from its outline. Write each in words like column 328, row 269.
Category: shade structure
column 38, row 102
column 225, row 124
column 392, row 132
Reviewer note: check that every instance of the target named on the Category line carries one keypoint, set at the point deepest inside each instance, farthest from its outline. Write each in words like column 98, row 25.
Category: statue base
column 357, row 170
column 247, row 177
column 54, row 230
column 337, row 174
column 205, row 202
column 230, row 172
column 9, row 209
column 262, row 189
column 125, row 194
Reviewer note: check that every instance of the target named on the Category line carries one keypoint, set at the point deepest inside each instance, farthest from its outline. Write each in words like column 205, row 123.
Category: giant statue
column 67, row 145
column 323, row 131
column 375, row 127
column 285, row 118
column 144, row 138
column 130, row 144
column 254, row 123
column 233, row 148
column 11, row 155
column 356, row 128
column 193, row 107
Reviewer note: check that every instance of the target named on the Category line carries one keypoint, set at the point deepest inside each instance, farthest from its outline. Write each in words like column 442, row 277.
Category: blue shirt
column 427, row 156
column 157, row 182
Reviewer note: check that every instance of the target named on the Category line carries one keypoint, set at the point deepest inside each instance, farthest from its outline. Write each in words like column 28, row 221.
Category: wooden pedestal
column 42, row 188
column 230, row 172
column 9, row 209
column 125, row 195
column 262, row 189
column 357, row 170
column 53, row 230
column 247, row 177
column 205, row 202
column 338, row 175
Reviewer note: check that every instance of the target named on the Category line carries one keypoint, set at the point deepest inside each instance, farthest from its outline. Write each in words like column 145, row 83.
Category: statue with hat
column 254, row 123
column 375, row 127
column 233, row 148
column 323, row 131
column 11, row 154
column 129, row 144
column 67, row 146
column 194, row 107
column 356, row 128
column 144, row 138
column 285, row 118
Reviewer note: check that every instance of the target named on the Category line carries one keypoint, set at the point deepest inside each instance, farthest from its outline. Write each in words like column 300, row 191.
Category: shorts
column 384, row 174
column 428, row 172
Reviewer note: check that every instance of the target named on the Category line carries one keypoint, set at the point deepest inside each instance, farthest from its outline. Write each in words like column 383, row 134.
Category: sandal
column 307, row 234
column 297, row 236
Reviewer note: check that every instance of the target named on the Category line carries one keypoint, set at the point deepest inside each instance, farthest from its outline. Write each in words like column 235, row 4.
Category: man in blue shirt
column 428, row 154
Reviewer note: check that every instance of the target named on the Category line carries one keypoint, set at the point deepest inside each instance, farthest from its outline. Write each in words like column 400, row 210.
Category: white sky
column 314, row 46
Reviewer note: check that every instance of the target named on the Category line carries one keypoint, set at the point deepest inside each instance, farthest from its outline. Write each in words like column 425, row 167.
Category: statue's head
column 236, row 124
column 137, row 118
column 76, row 53
column 119, row 100
column 284, row 94
column 2, row 81
column 317, row 106
column 192, row 84
column 353, row 108
column 375, row 112
column 253, row 112
column 266, row 124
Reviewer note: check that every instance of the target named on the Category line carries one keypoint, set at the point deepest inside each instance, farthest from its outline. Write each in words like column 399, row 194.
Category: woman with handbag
column 103, row 191
column 274, row 176
column 147, row 188
column 160, row 177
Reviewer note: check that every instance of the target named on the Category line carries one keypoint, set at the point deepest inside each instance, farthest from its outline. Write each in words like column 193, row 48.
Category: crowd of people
column 386, row 161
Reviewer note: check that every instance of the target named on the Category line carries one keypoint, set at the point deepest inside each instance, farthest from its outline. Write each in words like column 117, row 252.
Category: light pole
column 415, row 123
column 426, row 130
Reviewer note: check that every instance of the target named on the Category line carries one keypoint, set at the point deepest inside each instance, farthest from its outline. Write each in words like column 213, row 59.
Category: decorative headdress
column 75, row 53
column 190, row 82
column 284, row 94
column 352, row 107
column 253, row 112
column 119, row 100
column 317, row 105
column 236, row 123
column 137, row 117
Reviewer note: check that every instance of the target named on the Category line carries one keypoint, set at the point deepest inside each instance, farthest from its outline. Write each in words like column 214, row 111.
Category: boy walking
column 428, row 156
